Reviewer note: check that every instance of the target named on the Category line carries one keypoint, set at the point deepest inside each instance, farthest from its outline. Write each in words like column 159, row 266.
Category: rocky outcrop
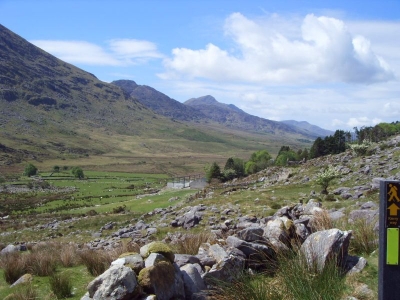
column 158, row 271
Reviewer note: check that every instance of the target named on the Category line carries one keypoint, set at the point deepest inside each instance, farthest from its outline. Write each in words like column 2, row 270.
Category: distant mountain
column 307, row 127
column 159, row 102
column 233, row 117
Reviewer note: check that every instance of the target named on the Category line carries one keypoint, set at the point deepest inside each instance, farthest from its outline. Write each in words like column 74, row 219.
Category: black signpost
column 389, row 246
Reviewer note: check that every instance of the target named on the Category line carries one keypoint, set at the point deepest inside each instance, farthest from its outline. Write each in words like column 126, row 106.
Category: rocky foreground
column 241, row 242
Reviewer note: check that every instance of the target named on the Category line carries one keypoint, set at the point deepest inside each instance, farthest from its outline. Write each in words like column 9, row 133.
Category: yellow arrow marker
column 393, row 209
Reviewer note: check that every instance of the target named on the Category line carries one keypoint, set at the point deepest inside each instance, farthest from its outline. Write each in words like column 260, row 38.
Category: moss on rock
column 158, row 247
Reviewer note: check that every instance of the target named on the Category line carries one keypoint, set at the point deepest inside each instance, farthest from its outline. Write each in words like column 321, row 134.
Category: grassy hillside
column 53, row 113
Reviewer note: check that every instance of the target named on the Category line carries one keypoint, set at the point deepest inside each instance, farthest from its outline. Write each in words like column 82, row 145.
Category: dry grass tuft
column 321, row 221
column 96, row 262
column 191, row 242
column 14, row 266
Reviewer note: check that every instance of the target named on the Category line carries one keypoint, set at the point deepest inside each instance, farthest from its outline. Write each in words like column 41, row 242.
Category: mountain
column 53, row 113
column 307, row 127
column 233, row 117
column 159, row 102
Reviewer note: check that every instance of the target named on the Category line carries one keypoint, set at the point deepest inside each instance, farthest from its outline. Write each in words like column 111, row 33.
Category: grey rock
column 324, row 245
column 192, row 280
column 118, row 282
column 251, row 234
column 226, row 270
column 9, row 249
column 354, row 264
column 153, row 259
column 183, row 259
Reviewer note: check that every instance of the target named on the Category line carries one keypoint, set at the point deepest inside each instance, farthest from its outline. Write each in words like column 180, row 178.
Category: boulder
column 251, row 234
column 163, row 280
column 322, row 246
column 9, row 249
column 226, row 270
column 183, row 259
column 192, row 280
column 116, row 283
column 132, row 260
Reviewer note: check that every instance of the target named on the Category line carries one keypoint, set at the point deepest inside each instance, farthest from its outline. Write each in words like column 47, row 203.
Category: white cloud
column 362, row 121
column 130, row 48
column 320, row 49
column 77, row 52
column 119, row 52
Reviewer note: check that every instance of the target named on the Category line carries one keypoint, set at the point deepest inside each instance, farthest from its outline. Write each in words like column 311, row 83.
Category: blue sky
column 335, row 64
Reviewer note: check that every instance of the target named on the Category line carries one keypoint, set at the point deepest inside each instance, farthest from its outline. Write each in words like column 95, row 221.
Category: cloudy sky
column 335, row 64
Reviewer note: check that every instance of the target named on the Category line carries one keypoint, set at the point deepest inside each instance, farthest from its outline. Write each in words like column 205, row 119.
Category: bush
column 325, row 177
column 360, row 149
column 77, row 172
column 30, row 170
column 61, row 285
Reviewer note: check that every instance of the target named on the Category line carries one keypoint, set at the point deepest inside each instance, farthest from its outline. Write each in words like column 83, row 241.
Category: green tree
column 286, row 156
column 213, row 172
column 259, row 160
column 77, row 172
column 56, row 169
column 236, row 164
column 30, row 170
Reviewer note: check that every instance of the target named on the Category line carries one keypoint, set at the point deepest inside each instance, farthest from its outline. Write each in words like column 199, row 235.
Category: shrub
column 61, row 285
column 77, row 172
column 360, row 149
column 276, row 205
column 325, row 177
column 30, row 170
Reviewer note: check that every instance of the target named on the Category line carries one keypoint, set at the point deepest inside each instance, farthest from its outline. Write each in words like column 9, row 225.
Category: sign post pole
column 389, row 240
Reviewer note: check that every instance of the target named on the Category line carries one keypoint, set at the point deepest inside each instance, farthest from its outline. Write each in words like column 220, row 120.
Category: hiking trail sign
column 389, row 240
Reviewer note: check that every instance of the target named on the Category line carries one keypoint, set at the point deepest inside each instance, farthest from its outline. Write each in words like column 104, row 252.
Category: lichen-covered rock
column 131, row 260
column 322, row 246
column 163, row 281
column 116, row 283
column 157, row 247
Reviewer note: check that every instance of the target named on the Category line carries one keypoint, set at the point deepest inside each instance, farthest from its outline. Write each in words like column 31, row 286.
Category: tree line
column 333, row 144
